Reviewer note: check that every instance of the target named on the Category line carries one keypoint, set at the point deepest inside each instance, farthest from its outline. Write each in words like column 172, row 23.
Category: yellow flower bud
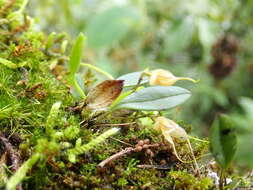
column 165, row 78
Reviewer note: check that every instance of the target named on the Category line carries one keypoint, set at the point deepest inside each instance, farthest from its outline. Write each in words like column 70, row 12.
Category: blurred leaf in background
column 244, row 122
column 179, row 36
column 223, row 141
column 110, row 26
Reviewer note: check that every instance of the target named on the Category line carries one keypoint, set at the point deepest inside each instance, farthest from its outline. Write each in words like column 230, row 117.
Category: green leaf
column 244, row 155
column 223, row 142
column 110, row 26
column 74, row 63
column 155, row 98
column 50, row 40
column 131, row 79
column 76, row 54
column 247, row 105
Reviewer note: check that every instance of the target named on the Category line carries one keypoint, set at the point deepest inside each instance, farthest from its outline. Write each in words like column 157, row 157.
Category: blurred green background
column 210, row 40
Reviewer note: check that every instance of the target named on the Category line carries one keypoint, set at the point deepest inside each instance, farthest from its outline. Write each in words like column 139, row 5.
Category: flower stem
column 187, row 78
column 98, row 70
column 77, row 87
column 196, row 139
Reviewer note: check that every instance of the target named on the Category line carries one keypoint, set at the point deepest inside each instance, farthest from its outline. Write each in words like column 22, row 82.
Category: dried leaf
column 104, row 94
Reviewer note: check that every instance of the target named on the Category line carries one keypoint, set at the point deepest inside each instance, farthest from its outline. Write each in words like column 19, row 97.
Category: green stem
column 8, row 63
column 117, row 101
column 196, row 139
column 21, row 172
column 139, row 82
column 77, row 87
column 194, row 159
column 187, row 78
column 98, row 70
column 221, row 182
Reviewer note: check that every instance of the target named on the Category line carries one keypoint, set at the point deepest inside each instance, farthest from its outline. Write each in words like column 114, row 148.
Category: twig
column 114, row 124
column 121, row 141
column 93, row 116
column 124, row 152
column 159, row 167
column 116, row 156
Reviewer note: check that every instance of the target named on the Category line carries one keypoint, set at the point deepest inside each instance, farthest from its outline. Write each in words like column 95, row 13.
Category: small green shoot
column 108, row 75
column 80, row 149
column 74, row 63
column 21, row 172
column 223, row 141
column 223, row 144
column 52, row 117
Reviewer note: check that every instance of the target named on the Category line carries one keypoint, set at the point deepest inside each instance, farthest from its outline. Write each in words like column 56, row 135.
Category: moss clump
column 37, row 115
column 183, row 180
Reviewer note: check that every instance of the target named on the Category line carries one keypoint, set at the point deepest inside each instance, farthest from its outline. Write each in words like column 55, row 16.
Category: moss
column 184, row 180
column 27, row 94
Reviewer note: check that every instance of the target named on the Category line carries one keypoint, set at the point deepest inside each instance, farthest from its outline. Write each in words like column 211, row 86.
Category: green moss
column 27, row 95
column 184, row 180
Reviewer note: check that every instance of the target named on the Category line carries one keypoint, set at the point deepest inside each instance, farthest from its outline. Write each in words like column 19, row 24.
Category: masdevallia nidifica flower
column 165, row 78
column 173, row 132
column 170, row 129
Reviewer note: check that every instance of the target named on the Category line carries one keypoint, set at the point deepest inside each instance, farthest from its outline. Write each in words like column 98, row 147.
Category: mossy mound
column 32, row 79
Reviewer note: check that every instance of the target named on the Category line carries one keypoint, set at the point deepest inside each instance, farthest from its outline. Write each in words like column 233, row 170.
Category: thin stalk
column 117, row 101
column 187, row 78
column 144, row 73
column 176, row 154
column 221, row 182
column 196, row 139
column 184, row 161
column 98, row 70
column 194, row 159
column 77, row 87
